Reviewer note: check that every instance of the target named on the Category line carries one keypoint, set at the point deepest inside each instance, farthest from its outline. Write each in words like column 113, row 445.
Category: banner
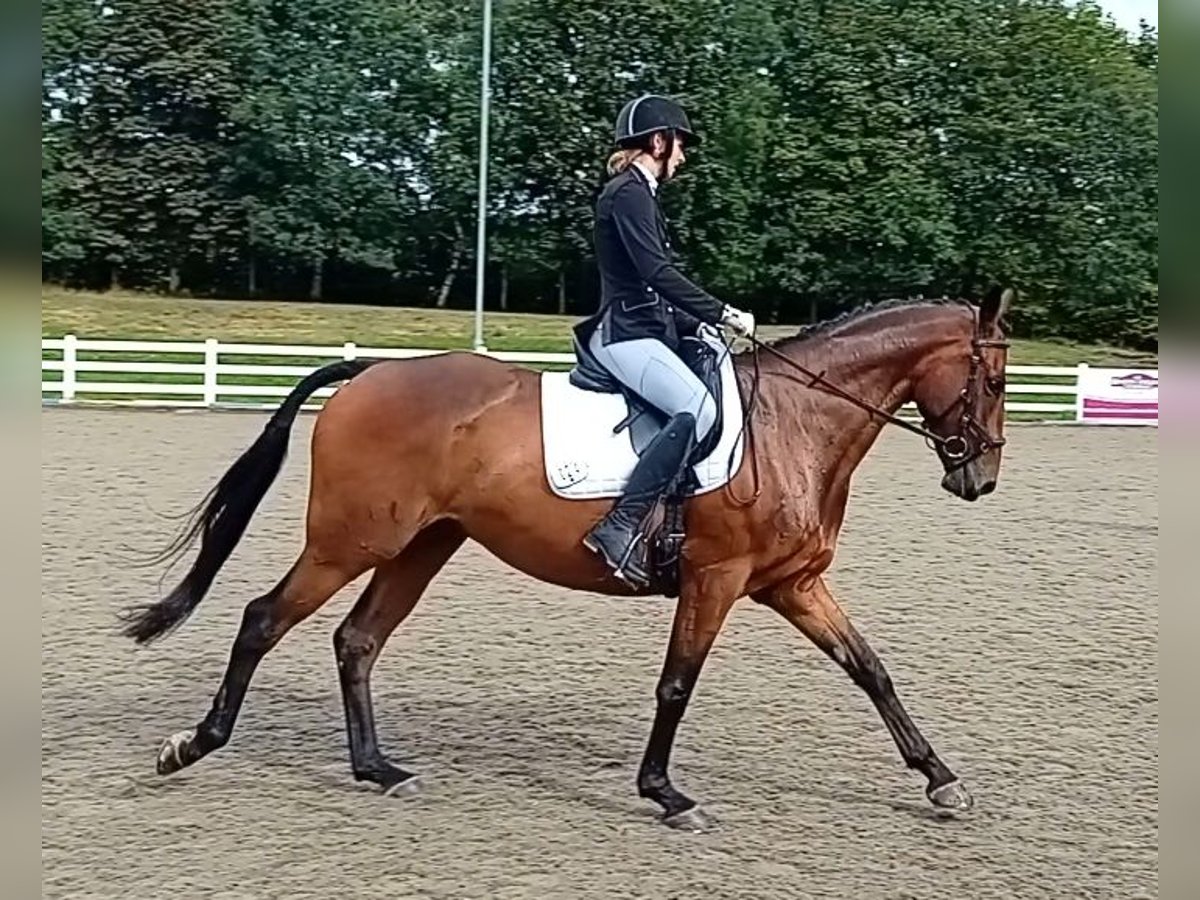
column 1117, row 396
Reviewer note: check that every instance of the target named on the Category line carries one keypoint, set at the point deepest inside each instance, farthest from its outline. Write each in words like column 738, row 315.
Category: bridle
column 956, row 448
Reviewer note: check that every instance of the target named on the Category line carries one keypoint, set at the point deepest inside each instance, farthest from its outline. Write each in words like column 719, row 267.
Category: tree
column 855, row 149
column 152, row 136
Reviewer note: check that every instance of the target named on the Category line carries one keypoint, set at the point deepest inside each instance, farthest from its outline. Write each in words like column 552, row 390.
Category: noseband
column 955, row 448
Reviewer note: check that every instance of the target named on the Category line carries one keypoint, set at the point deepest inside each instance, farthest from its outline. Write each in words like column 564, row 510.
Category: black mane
column 807, row 332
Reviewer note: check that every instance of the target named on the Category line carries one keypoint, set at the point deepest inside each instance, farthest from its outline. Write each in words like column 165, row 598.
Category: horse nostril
column 987, row 487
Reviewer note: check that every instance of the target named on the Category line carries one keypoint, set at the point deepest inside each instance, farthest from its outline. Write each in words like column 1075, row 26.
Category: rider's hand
column 738, row 321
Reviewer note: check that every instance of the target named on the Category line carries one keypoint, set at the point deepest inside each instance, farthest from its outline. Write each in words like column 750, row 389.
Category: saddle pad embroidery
column 585, row 460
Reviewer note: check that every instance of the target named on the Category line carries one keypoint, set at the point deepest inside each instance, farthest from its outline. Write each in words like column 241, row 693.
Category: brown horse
column 410, row 458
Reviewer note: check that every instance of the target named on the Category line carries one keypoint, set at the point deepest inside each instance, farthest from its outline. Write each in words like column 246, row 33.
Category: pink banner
column 1118, row 396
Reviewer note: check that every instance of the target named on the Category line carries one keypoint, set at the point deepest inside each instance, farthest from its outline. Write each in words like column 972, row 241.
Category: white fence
column 214, row 374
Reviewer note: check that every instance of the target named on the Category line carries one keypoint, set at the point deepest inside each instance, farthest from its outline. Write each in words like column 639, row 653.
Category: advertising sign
column 1117, row 396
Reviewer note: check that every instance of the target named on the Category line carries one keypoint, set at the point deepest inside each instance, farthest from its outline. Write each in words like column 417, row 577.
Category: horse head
column 960, row 397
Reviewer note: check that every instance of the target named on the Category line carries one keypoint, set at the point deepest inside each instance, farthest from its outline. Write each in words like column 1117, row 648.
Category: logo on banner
column 1135, row 381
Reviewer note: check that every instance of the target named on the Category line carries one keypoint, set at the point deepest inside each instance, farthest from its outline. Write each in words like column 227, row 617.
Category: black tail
column 222, row 516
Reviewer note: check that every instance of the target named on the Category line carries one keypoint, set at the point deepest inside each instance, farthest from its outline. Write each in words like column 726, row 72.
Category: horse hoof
column 952, row 797
column 170, row 754
column 409, row 787
column 694, row 820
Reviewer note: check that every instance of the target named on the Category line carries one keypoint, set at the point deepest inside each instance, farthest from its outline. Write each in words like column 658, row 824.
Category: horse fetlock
column 672, row 801
column 652, row 784
column 210, row 736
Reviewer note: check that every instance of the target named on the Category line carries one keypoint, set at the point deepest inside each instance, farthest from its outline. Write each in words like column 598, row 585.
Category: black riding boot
column 619, row 538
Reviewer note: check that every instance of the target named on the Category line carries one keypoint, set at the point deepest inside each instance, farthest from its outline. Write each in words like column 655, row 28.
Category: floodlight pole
column 481, row 225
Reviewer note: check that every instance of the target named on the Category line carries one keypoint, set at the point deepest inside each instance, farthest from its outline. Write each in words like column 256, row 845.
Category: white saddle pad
column 585, row 460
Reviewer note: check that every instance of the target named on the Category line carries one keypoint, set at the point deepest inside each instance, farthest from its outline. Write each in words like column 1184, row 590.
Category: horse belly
column 504, row 503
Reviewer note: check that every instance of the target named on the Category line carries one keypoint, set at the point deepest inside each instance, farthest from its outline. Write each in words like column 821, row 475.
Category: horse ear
column 996, row 305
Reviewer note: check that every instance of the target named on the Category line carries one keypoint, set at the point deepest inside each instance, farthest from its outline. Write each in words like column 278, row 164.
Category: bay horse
column 412, row 457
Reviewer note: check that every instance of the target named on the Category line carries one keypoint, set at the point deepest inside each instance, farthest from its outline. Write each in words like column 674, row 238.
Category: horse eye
column 995, row 385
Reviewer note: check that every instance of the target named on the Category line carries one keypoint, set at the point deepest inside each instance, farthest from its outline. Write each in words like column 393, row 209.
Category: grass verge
column 143, row 317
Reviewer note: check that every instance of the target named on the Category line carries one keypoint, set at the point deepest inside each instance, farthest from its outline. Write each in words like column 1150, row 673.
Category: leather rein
column 955, row 447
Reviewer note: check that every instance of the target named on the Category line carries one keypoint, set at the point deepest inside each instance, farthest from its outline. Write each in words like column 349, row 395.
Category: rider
column 646, row 304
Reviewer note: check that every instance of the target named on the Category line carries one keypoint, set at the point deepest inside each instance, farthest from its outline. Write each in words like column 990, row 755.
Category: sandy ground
column 1021, row 632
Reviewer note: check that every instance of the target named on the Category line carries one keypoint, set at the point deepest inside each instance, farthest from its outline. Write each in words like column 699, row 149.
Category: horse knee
column 671, row 691
column 353, row 646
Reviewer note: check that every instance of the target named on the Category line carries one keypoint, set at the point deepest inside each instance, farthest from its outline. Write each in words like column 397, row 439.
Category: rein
column 955, row 447
column 818, row 379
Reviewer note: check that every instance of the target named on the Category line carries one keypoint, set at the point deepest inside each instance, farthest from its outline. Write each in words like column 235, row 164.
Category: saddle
column 664, row 526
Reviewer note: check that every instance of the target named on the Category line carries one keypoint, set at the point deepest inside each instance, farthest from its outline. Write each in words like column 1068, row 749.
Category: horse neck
column 879, row 360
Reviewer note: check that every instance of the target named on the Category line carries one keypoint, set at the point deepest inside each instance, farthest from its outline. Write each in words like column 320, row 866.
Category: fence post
column 70, row 367
column 1080, row 372
column 349, row 350
column 211, row 354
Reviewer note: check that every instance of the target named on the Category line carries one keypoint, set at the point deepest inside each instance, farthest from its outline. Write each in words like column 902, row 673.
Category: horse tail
column 222, row 516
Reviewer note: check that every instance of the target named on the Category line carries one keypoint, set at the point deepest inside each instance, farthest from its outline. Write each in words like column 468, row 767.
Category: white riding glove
column 738, row 321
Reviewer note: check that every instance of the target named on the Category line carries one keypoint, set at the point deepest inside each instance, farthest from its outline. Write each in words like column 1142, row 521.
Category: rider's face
column 677, row 158
column 674, row 161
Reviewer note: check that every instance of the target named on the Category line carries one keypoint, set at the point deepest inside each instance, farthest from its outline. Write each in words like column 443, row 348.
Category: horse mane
column 862, row 311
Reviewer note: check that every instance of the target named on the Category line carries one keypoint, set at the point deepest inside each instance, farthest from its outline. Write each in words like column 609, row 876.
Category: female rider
column 646, row 304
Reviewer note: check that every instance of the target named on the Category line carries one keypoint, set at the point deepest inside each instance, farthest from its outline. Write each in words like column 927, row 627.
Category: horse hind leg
column 392, row 594
column 300, row 593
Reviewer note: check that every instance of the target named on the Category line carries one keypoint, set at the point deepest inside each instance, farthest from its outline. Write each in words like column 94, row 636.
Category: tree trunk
column 443, row 296
column 452, row 273
column 252, row 261
column 318, row 276
column 504, row 287
column 173, row 280
column 813, row 311
column 562, row 291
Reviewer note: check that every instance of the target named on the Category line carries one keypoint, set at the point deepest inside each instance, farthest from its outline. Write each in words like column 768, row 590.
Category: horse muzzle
column 969, row 481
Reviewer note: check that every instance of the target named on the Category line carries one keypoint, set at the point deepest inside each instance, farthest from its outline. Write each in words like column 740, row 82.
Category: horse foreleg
column 394, row 590
column 264, row 623
column 813, row 610
column 699, row 615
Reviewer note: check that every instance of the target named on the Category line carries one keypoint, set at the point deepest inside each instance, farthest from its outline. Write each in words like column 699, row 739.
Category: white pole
column 481, row 234
column 212, row 355
column 70, row 367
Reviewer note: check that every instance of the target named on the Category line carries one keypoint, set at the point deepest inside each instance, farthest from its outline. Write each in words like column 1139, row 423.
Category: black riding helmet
column 641, row 117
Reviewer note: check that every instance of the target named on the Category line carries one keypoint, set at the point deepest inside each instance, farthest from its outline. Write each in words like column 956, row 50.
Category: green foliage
column 855, row 149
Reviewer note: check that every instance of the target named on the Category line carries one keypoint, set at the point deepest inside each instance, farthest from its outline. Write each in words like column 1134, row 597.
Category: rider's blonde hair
column 620, row 161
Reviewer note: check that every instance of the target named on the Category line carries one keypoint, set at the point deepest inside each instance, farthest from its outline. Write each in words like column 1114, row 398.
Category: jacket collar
column 647, row 176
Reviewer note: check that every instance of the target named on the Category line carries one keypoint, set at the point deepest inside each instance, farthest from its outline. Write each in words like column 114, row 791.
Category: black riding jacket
column 642, row 291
